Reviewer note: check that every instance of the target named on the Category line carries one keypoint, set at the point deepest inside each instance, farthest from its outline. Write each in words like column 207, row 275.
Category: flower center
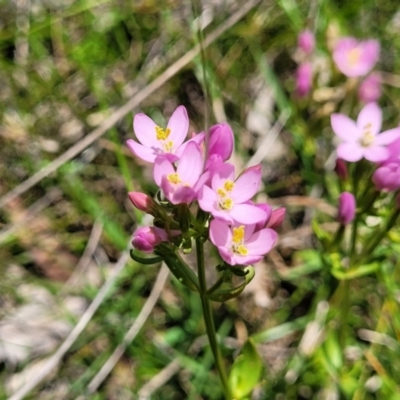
column 238, row 241
column 353, row 56
column 225, row 202
column 174, row 178
column 162, row 136
column 367, row 138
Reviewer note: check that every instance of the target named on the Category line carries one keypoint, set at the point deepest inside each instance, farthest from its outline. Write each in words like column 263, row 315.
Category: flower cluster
column 190, row 175
column 363, row 139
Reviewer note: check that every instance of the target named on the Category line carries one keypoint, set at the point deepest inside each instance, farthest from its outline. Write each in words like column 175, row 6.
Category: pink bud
column 341, row 169
column 277, row 218
column 221, row 141
column 143, row 202
column 306, row 41
column 370, row 88
column 303, row 79
column 347, row 208
column 387, row 177
column 145, row 238
column 268, row 212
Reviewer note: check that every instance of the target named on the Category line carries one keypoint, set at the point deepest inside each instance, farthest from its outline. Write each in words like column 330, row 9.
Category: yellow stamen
column 221, row 192
column 238, row 234
column 226, row 204
column 229, row 185
column 161, row 133
column 174, row 178
column 242, row 250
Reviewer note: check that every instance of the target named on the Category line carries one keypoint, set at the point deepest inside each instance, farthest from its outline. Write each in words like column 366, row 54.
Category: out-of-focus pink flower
column 387, row 177
column 303, row 79
column 362, row 138
column 147, row 237
column 277, row 218
column 347, row 208
column 356, row 58
column 156, row 141
column 370, row 88
column 227, row 199
column 241, row 244
column 306, row 41
column 341, row 169
column 180, row 185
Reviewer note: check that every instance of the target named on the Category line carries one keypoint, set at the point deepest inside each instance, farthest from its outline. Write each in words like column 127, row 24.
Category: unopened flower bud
column 145, row 203
column 306, row 41
column 277, row 217
column 341, row 169
column 145, row 238
column 347, row 208
column 221, row 141
column 370, row 88
column 387, row 177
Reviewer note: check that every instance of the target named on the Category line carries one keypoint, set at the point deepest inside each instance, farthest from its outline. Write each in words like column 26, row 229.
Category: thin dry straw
column 56, row 358
column 124, row 110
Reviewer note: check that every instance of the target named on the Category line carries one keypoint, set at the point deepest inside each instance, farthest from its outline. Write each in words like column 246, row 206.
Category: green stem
column 208, row 318
column 377, row 237
column 344, row 311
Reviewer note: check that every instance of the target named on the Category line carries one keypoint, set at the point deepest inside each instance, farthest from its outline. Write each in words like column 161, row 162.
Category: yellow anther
column 161, row 133
column 174, row 178
column 354, row 56
column 227, row 204
column 242, row 250
column 168, row 146
column 221, row 192
column 229, row 185
column 238, row 234
column 367, row 139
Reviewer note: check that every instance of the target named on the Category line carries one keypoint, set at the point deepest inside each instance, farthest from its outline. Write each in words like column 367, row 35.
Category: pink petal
column 247, row 214
column 247, row 185
column 220, row 233
column 226, row 172
column 350, row 151
column 145, row 130
column 227, row 255
column 190, row 165
column 207, row 199
column 345, row 128
column 388, row 136
column 246, row 260
column 183, row 194
column 376, row 153
column 221, row 141
column 179, row 125
column 162, row 167
column 371, row 114
column 261, row 242
column 145, row 153
column 198, row 139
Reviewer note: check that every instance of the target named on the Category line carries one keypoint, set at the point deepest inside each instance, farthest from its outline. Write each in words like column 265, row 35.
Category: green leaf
column 246, row 371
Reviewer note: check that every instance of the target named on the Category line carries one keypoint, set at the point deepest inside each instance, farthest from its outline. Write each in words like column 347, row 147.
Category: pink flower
column 370, row 88
column 241, row 244
column 306, row 41
column 180, row 185
column 356, row 58
column 156, row 141
column 347, row 208
column 387, row 177
column 303, row 79
column 362, row 138
column 147, row 237
column 226, row 198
